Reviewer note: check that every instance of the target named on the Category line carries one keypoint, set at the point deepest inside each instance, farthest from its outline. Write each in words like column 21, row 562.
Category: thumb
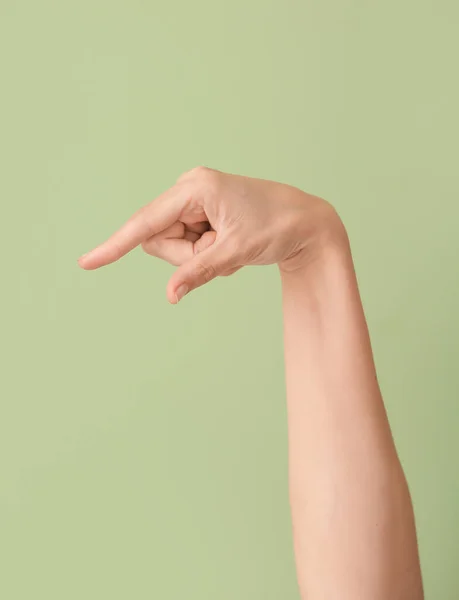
column 201, row 269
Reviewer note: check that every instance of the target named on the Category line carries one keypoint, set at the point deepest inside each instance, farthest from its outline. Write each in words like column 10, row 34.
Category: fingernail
column 83, row 256
column 181, row 291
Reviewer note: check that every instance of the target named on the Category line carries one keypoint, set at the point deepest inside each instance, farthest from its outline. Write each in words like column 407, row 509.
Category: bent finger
column 202, row 268
column 173, row 251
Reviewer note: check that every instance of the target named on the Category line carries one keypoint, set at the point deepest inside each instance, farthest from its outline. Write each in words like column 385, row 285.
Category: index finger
column 149, row 220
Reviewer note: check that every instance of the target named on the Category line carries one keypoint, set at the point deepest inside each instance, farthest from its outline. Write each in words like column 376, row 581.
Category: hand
column 212, row 223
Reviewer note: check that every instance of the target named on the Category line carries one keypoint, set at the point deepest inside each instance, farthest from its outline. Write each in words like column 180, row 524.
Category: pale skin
column 353, row 524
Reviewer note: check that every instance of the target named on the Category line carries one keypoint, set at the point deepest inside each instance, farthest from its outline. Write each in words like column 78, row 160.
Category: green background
column 143, row 446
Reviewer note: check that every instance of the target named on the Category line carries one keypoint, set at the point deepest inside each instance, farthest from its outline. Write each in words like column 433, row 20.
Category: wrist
column 322, row 286
column 326, row 242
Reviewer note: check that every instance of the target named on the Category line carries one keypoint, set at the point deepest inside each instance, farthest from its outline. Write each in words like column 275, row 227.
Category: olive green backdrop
column 143, row 446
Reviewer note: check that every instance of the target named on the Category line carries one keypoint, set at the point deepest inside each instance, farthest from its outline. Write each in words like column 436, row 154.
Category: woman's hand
column 212, row 223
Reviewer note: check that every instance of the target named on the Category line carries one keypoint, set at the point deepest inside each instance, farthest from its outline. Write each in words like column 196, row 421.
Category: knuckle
column 201, row 178
column 211, row 180
column 205, row 272
column 194, row 172
column 144, row 214
column 200, row 171
column 149, row 247
column 205, row 176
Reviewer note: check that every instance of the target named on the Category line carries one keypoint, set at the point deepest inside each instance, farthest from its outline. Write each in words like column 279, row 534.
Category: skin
column 353, row 525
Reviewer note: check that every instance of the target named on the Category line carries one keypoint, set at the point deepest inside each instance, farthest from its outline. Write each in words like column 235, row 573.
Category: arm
column 353, row 524
column 352, row 517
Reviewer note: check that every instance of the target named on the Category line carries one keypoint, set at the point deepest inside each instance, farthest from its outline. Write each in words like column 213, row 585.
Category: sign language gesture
column 212, row 223
column 353, row 522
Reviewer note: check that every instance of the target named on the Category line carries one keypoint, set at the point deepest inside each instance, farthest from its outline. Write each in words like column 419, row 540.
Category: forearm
column 352, row 517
